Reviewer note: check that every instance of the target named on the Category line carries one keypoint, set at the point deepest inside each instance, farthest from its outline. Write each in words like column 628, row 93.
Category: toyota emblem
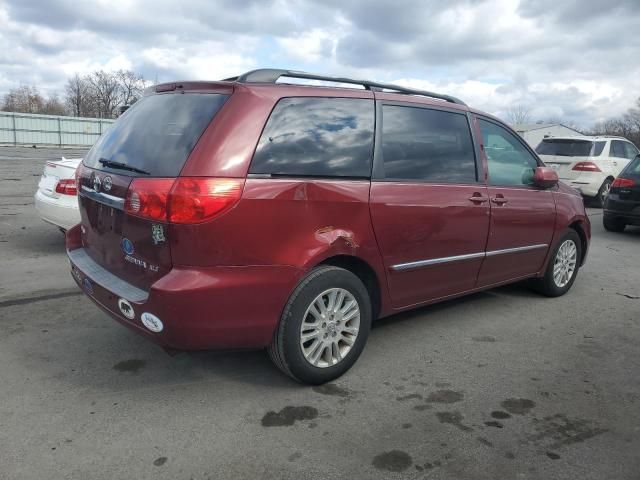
column 96, row 183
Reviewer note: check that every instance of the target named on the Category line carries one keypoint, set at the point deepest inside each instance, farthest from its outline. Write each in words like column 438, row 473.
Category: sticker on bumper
column 126, row 308
column 152, row 322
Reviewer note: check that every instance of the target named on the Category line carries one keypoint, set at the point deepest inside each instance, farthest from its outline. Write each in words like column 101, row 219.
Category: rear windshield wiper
column 121, row 166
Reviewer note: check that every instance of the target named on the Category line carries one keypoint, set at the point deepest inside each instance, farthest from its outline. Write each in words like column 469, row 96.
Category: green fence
column 32, row 129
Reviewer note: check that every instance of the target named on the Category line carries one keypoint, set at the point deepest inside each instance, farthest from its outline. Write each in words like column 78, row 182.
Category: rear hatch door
column 564, row 165
column 152, row 139
column 628, row 194
column 562, row 154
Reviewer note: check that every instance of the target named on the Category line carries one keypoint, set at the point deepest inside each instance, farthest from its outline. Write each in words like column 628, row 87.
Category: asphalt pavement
column 503, row 384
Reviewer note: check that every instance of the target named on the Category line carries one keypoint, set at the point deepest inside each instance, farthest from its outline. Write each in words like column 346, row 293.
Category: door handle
column 478, row 198
column 499, row 200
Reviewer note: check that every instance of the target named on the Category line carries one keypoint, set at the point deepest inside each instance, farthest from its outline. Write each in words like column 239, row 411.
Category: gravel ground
column 498, row 385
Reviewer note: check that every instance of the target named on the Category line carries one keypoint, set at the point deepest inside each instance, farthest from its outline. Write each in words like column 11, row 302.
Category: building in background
column 534, row 133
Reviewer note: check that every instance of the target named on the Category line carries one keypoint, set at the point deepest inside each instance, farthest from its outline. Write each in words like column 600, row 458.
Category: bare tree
column 518, row 114
column 105, row 90
column 628, row 125
column 23, row 99
column 77, row 96
column 131, row 86
column 53, row 106
column 101, row 93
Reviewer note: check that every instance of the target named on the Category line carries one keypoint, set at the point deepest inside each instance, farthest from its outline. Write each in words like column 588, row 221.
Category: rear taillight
column 622, row 183
column 148, row 198
column 195, row 200
column 183, row 200
column 586, row 167
column 67, row 187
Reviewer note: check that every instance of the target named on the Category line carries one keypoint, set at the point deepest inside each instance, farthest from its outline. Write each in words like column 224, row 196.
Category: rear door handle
column 478, row 198
column 499, row 200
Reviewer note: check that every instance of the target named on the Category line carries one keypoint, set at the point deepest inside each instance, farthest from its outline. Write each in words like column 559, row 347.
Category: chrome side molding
column 516, row 250
column 460, row 258
column 435, row 261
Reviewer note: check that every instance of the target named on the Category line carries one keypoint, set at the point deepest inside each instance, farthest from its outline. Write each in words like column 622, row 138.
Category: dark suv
column 249, row 213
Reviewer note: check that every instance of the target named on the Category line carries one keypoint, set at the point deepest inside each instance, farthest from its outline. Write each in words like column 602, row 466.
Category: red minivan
column 252, row 213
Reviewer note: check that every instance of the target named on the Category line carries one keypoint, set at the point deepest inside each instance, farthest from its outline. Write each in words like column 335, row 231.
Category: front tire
column 563, row 267
column 603, row 192
column 324, row 326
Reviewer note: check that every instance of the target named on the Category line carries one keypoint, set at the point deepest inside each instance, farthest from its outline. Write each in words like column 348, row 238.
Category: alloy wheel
column 606, row 188
column 330, row 327
column 565, row 263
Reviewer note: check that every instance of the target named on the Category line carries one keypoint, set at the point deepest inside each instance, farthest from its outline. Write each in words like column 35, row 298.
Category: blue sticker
column 127, row 246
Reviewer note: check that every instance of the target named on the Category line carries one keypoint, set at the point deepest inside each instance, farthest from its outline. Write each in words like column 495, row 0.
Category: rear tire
column 562, row 268
column 612, row 224
column 603, row 192
column 324, row 326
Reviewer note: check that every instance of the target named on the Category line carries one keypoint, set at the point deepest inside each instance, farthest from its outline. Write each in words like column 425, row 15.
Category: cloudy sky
column 573, row 60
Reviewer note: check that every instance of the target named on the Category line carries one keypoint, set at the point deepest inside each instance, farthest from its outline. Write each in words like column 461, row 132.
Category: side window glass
column 617, row 149
column 509, row 162
column 427, row 145
column 630, row 150
column 598, row 147
column 314, row 136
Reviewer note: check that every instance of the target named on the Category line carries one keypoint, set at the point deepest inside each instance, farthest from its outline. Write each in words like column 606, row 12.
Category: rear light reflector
column 622, row 183
column 586, row 167
column 67, row 187
column 185, row 200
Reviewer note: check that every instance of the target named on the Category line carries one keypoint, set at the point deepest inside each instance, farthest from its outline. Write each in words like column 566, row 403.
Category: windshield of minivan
column 156, row 135
column 569, row 147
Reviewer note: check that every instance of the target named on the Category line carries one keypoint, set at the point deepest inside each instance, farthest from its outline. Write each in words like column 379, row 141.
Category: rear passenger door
column 429, row 209
column 522, row 215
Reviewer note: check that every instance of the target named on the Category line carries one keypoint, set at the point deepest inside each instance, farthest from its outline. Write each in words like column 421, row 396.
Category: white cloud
column 571, row 60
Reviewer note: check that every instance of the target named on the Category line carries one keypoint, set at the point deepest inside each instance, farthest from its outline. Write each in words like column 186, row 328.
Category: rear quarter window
column 311, row 136
column 157, row 133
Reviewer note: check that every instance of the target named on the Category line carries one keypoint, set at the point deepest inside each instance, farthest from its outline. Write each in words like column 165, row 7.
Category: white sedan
column 56, row 199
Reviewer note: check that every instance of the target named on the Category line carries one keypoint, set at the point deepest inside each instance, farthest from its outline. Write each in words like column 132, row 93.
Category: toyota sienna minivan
column 253, row 213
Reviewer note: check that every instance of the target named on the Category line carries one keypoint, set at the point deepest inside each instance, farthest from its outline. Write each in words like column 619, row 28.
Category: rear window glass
column 325, row 137
column 156, row 134
column 568, row 148
column 427, row 145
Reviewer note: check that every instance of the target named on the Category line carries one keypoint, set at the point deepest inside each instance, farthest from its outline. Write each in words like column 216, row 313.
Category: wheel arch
column 584, row 243
column 365, row 273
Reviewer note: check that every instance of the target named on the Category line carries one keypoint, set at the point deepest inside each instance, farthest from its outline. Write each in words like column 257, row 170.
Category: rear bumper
column 587, row 183
column 630, row 214
column 201, row 308
column 62, row 212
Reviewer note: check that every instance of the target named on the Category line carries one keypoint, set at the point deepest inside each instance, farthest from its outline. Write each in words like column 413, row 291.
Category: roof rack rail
column 271, row 75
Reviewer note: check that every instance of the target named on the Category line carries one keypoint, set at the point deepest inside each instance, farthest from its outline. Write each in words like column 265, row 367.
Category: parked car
column 56, row 199
column 248, row 213
column 588, row 164
column 622, row 206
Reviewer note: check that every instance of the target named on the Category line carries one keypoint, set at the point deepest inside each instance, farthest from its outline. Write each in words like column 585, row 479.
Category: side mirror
column 545, row 177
